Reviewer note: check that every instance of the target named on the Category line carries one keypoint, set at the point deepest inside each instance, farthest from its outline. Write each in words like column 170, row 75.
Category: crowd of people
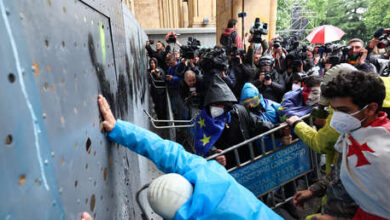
column 238, row 94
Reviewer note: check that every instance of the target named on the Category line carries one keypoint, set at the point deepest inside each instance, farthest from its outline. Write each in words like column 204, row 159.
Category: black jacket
column 242, row 126
column 276, row 90
column 159, row 55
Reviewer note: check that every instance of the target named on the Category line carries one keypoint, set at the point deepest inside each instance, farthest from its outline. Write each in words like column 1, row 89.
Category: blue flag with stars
column 208, row 130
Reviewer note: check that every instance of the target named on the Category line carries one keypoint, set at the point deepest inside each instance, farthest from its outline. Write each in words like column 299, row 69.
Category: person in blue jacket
column 216, row 194
column 300, row 102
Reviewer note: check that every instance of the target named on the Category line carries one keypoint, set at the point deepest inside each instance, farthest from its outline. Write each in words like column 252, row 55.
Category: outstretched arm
column 169, row 156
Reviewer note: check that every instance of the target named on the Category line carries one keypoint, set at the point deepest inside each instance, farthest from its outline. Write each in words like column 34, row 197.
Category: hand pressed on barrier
column 109, row 119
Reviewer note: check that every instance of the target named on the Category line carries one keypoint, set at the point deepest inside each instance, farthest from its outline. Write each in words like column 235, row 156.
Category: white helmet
column 168, row 193
column 331, row 74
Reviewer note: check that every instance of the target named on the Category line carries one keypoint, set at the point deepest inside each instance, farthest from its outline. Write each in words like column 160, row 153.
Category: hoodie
column 237, row 40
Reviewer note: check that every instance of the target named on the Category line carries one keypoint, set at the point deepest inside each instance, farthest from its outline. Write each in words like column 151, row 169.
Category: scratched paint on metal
column 56, row 57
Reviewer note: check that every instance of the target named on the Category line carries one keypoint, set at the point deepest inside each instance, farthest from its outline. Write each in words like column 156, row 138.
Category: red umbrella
column 325, row 34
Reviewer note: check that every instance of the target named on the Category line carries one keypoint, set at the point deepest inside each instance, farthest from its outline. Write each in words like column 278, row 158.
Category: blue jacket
column 216, row 195
column 292, row 104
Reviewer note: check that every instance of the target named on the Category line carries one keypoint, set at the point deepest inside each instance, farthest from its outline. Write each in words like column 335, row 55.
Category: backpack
column 228, row 41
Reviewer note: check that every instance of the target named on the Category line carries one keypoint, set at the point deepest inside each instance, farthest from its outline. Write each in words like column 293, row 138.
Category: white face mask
column 314, row 96
column 216, row 111
column 344, row 122
column 295, row 86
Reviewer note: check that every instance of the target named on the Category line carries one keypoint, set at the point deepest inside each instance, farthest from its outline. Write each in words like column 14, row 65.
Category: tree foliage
column 357, row 18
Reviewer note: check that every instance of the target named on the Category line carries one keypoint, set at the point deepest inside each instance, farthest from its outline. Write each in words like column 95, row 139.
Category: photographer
column 160, row 53
column 156, row 78
column 357, row 55
column 191, row 89
column 270, row 83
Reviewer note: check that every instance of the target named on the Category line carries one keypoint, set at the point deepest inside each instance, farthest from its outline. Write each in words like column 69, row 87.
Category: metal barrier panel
column 275, row 169
column 56, row 56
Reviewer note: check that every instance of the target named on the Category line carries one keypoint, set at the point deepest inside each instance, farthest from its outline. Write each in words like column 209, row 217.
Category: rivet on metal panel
column 45, row 86
column 91, row 21
column 75, row 44
column 22, row 179
column 63, row 43
column 35, row 68
column 64, row 10
column 75, row 110
column 105, row 174
column 7, row 12
column 47, row 43
column 21, row 15
column 37, row 181
column 48, row 3
column 92, row 204
column 48, row 68
column 51, row 89
column 94, row 183
column 86, row 201
column 62, row 161
column 85, row 19
column 52, row 154
column 88, row 146
column 86, row 166
column 44, row 115
column 8, row 140
column 76, row 16
column 75, row 183
column 11, row 77
column 62, row 120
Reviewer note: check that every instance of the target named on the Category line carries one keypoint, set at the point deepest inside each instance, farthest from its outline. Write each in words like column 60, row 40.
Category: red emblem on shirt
column 356, row 148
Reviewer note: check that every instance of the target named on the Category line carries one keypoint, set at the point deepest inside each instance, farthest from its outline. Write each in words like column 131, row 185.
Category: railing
column 267, row 155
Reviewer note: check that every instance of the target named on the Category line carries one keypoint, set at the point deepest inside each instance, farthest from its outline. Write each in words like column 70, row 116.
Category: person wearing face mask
column 363, row 147
column 222, row 123
column 300, row 102
column 194, row 188
column 364, row 142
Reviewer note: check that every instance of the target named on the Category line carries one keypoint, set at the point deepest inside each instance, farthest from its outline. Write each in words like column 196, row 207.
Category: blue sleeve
column 169, row 156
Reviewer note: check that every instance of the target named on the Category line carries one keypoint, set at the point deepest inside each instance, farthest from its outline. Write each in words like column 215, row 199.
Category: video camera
column 188, row 51
column 257, row 30
column 214, row 59
column 338, row 53
column 298, row 56
column 383, row 41
column 234, row 52
column 171, row 37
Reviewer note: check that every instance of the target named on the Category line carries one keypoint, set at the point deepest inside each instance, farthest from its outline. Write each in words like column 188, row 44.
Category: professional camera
column 170, row 37
column 277, row 43
column 188, row 51
column 337, row 53
column 236, row 54
column 257, row 30
column 298, row 55
column 383, row 41
column 214, row 60
column 151, row 41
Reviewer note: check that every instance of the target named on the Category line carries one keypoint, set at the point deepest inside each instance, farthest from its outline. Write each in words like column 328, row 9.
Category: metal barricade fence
column 272, row 171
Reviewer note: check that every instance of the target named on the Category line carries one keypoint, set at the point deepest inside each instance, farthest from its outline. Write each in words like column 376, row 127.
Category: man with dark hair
column 358, row 54
column 159, row 53
column 230, row 36
column 364, row 145
column 270, row 83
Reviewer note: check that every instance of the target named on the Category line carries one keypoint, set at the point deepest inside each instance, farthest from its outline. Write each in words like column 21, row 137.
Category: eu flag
column 208, row 130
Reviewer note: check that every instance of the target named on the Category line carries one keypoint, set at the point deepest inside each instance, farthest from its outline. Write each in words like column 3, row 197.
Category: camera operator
column 278, row 53
column 160, row 53
column 157, row 75
column 270, row 83
column 381, row 40
column 357, row 55
column 191, row 89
